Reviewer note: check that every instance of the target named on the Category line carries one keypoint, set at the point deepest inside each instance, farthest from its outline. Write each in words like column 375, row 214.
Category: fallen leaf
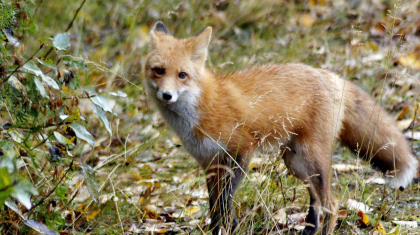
column 378, row 29
column 306, row 21
column 395, row 231
column 364, row 220
column 409, row 224
column 316, row 2
column 342, row 214
column 93, row 214
column 412, row 135
column 151, row 211
column 410, row 60
column 281, row 217
column 359, row 206
column 404, row 111
column 136, row 176
column 258, row 178
column 192, row 211
column 297, row 218
column 404, row 124
column 375, row 180
column 255, row 163
column 373, row 58
column 345, row 167
column 379, row 229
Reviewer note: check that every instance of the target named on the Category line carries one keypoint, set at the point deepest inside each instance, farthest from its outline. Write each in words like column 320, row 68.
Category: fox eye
column 159, row 71
column 182, row 75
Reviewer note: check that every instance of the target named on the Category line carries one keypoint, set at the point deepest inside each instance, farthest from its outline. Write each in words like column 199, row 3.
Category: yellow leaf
column 151, row 211
column 160, row 231
column 306, row 21
column 255, row 163
column 364, row 220
column 15, row 83
column 93, row 214
column 403, row 112
column 410, row 60
column 380, row 228
column 136, row 176
column 395, row 231
column 370, row 45
column 192, row 210
column 315, row 2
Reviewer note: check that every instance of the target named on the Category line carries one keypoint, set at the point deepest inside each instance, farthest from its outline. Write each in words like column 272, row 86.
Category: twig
column 70, row 24
column 72, row 198
column 20, row 66
column 48, row 137
column 46, row 196
column 37, row 7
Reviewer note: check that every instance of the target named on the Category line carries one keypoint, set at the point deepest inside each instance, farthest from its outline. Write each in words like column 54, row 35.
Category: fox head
column 174, row 66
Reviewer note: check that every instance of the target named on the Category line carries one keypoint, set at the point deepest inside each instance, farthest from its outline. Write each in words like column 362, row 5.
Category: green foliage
column 7, row 14
column 41, row 121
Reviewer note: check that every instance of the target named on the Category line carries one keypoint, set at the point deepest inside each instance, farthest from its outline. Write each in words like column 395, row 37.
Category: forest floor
column 150, row 185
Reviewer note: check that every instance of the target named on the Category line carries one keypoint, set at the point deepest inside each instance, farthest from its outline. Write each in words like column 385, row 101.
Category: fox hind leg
column 311, row 163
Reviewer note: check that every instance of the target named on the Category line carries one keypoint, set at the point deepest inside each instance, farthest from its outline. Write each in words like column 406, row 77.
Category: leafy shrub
column 42, row 124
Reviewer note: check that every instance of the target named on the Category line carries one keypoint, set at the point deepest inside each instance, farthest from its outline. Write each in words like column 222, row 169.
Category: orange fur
column 300, row 107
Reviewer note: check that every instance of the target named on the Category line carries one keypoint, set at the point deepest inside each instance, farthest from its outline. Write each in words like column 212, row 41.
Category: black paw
column 309, row 230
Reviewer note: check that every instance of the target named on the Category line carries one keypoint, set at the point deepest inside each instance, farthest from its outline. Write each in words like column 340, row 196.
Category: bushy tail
column 369, row 130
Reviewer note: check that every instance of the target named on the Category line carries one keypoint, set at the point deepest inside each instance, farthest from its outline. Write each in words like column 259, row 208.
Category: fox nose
column 167, row 96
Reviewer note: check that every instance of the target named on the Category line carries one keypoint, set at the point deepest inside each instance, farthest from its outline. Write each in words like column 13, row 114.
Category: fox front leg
column 222, row 182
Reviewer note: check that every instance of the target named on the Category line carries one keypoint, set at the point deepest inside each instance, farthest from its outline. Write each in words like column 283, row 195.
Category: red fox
column 222, row 119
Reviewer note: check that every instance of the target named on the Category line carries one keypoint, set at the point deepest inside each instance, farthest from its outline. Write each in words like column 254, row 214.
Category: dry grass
column 148, row 181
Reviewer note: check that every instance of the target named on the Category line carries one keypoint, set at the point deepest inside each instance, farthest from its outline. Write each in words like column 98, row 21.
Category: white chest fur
column 182, row 116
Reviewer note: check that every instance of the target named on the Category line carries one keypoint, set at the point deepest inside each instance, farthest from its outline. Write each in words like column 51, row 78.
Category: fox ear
column 201, row 43
column 160, row 27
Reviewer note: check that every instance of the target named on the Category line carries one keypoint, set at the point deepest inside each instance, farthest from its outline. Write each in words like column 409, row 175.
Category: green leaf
column 5, row 179
column 62, row 138
column 82, row 133
column 102, row 115
column 22, row 196
column 119, row 93
column 39, row 227
column 50, row 82
column 61, row 191
column 32, row 67
column 23, row 191
column 395, row 231
column 40, row 88
column 89, row 176
column 48, row 63
column 102, row 102
column 62, row 41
